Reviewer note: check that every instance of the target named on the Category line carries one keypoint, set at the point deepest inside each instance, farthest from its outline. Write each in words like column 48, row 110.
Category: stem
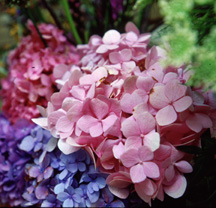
column 71, row 22
column 58, row 24
column 38, row 31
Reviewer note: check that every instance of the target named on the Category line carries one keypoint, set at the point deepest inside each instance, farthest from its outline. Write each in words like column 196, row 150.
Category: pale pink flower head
column 129, row 112
column 169, row 100
column 30, row 81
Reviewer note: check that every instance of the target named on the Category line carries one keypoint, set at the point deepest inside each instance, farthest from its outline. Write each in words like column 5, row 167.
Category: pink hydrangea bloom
column 129, row 113
column 30, row 81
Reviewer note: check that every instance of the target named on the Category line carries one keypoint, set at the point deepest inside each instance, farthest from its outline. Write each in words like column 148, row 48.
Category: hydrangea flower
column 12, row 160
column 128, row 111
column 55, row 179
column 30, row 81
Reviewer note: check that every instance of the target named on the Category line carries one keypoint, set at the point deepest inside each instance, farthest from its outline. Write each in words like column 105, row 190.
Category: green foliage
column 190, row 37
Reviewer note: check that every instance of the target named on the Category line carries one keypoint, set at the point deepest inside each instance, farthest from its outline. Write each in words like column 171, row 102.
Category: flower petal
column 166, row 116
column 182, row 104
column 137, row 173
column 178, row 188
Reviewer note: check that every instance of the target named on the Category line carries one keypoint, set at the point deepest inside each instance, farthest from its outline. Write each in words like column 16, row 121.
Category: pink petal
column 151, row 170
column 152, row 141
column 178, row 188
column 55, row 115
column 169, row 76
column 133, row 142
column 100, row 73
column 146, row 189
column 64, row 124
column 130, row 127
column 144, row 37
column 184, row 166
column 173, row 90
column 157, row 97
column 122, row 193
column 205, row 119
column 118, row 150
column 166, row 116
column 128, row 102
column 115, row 57
column 130, row 26
column 74, row 78
column 126, row 54
column 59, row 70
column 111, row 36
column 163, row 152
column 182, row 104
column 145, row 154
column 131, row 36
column 129, row 158
column 130, row 84
column 86, row 122
column 137, row 173
column 145, row 121
column 86, row 79
column 145, row 83
column 78, row 92
column 170, row 173
column 101, row 49
column 99, row 108
column 109, row 122
column 96, row 130
column 194, row 124
column 46, row 80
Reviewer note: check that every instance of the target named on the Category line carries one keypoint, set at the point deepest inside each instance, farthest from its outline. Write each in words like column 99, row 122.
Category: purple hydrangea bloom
column 34, row 172
column 12, row 160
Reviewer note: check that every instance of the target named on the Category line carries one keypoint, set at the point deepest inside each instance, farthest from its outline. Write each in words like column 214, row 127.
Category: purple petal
column 27, row 144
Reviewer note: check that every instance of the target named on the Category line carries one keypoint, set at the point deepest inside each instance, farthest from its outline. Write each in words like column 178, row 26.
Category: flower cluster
column 31, row 81
column 130, row 113
column 33, row 172
column 59, row 180
column 12, row 160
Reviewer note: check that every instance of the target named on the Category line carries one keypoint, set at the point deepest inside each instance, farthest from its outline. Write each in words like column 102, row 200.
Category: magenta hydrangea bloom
column 130, row 113
column 31, row 81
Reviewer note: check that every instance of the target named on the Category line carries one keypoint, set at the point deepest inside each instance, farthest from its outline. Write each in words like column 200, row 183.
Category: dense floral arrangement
column 31, row 81
column 109, row 123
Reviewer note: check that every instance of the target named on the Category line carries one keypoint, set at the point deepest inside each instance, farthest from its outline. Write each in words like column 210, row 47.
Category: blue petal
column 63, row 196
column 77, row 198
column 59, row 188
column 68, row 203
column 81, row 166
column 38, row 146
column 27, row 144
column 93, row 197
column 63, row 174
column 39, row 135
column 70, row 190
column 95, row 187
column 41, row 192
column 117, row 203
column 72, row 168
column 101, row 182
